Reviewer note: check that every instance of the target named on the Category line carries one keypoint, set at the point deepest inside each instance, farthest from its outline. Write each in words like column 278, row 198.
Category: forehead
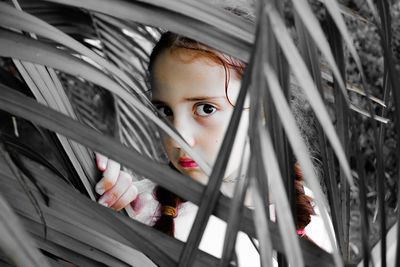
column 185, row 72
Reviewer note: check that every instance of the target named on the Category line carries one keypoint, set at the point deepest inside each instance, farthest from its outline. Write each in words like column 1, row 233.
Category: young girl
column 195, row 87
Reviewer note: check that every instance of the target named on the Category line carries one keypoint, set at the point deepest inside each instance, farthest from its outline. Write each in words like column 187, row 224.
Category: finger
column 110, row 177
column 129, row 210
column 126, row 198
column 111, row 196
column 140, row 202
column 101, row 162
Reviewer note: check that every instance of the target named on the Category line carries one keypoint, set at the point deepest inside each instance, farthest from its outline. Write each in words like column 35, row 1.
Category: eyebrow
column 196, row 98
column 202, row 98
column 157, row 102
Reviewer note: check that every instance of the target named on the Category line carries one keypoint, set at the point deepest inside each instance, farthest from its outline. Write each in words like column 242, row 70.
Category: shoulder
column 316, row 229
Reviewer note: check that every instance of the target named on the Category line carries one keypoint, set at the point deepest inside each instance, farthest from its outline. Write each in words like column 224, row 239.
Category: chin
column 201, row 179
column 197, row 175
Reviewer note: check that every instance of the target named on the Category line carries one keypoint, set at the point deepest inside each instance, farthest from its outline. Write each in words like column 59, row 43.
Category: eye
column 164, row 111
column 205, row 110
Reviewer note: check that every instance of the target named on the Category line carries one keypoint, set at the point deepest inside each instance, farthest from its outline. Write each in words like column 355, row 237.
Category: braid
column 304, row 208
column 169, row 203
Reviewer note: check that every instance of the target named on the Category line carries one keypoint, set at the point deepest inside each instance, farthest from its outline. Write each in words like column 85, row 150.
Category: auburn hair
column 165, row 222
column 178, row 44
column 304, row 203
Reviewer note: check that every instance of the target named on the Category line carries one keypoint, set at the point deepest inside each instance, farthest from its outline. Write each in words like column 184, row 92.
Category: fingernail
column 99, row 189
column 103, row 202
column 102, row 163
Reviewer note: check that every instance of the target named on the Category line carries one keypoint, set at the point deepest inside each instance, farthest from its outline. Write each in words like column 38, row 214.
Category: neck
column 228, row 188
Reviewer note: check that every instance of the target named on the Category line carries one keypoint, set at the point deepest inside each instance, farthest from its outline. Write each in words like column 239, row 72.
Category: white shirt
column 213, row 237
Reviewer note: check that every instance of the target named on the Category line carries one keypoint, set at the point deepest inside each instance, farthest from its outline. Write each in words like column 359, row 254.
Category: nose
column 185, row 129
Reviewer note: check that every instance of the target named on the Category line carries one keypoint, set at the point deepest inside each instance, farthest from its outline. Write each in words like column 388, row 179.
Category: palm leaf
column 100, row 44
column 162, row 175
column 208, row 30
column 43, row 54
column 285, row 219
column 15, row 242
column 314, row 29
column 82, row 220
column 260, row 218
column 333, row 10
column 342, row 126
column 211, row 192
column 236, row 210
column 311, row 92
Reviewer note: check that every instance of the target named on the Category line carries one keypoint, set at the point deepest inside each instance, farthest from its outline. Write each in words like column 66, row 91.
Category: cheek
column 167, row 143
column 214, row 136
column 237, row 149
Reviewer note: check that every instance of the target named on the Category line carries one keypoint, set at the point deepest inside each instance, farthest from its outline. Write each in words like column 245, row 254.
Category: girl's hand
column 116, row 187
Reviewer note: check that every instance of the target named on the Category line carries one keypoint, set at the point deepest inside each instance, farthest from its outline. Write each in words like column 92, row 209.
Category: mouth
column 187, row 163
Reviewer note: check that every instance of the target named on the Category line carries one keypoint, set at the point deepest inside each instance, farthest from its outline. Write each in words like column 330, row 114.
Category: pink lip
column 187, row 163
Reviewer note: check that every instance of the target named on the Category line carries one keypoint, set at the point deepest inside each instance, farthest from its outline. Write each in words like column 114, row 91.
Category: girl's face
column 189, row 90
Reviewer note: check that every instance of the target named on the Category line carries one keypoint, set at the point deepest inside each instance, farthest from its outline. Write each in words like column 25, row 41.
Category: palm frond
column 67, row 54
column 15, row 242
column 161, row 174
column 306, row 81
